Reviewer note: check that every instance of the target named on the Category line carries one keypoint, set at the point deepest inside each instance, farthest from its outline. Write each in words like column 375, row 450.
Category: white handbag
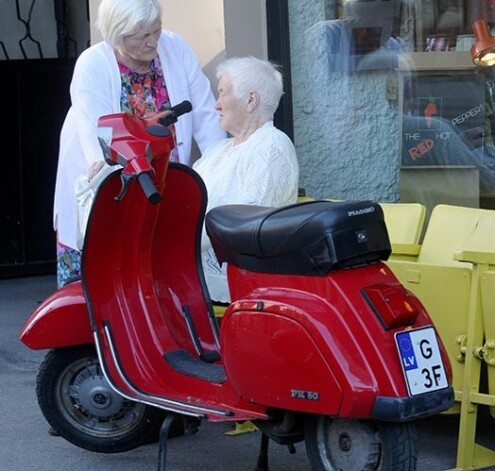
column 85, row 194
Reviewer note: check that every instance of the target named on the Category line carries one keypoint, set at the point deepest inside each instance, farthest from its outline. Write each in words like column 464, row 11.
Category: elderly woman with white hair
column 257, row 165
column 140, row 69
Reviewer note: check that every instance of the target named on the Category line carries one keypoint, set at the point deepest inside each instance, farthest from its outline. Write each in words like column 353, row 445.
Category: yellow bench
column 454, row 276
column 404, row 223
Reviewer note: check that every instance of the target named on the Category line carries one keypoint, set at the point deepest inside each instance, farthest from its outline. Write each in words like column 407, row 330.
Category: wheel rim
column 348, row 444
column 89, row 403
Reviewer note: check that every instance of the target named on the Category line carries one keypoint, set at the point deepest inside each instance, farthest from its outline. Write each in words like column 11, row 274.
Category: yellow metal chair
column 404, row 223
column 454, row 276
column 479, row 350
column 442, row 283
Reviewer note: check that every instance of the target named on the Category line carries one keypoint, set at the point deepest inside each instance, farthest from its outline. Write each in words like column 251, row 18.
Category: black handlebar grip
column 175, row 112
column 149, row 188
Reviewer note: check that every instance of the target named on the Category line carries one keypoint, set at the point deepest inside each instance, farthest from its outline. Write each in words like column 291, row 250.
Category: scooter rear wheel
column 80, row 405
column 356, row 445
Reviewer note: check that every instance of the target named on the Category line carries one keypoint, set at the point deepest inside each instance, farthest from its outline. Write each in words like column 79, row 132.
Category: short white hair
column 119, row 18
column 250, row 74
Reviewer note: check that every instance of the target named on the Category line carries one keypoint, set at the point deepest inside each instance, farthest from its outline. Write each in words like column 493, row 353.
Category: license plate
column 421, row 360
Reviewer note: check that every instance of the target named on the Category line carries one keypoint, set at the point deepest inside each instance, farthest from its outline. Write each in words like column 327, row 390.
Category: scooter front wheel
column 80, row 405
column 355, row 445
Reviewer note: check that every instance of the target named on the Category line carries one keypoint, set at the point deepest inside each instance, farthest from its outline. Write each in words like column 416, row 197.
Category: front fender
column 61, row 320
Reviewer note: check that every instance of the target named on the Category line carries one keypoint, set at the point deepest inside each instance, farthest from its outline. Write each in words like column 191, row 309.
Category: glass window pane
column 388, row 104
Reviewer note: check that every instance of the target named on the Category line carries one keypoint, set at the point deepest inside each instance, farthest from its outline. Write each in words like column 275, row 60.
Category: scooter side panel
column 271, row 359
column 60, row 321
column 346, row 343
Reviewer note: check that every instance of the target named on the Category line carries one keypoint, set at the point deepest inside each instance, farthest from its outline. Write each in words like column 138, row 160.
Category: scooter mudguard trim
column 402, row 409
column 60, row 321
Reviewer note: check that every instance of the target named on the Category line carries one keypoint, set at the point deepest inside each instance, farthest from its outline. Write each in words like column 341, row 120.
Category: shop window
column 407, row 114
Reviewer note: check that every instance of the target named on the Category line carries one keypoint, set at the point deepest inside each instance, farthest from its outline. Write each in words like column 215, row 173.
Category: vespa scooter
column 321, row 343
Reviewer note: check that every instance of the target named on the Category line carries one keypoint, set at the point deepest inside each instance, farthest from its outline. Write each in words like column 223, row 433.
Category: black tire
column 357, row 445
column 80, row 405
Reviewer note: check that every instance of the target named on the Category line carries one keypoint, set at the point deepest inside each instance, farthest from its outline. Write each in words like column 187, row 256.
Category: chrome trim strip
column 167, row 404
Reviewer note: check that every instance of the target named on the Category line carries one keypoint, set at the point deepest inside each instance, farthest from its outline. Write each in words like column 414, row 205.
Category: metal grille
column 43, row 29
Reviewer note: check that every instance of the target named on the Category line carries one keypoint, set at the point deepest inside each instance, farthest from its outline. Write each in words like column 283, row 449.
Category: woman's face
column 142, row 45
column 231, row 109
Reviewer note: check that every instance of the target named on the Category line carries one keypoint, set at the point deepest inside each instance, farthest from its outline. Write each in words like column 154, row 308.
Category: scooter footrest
column 183, row 362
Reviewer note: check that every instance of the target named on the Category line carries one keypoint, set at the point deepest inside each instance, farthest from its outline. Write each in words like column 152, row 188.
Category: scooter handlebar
column 129, row 146
column 149, row 188
column 175, row 112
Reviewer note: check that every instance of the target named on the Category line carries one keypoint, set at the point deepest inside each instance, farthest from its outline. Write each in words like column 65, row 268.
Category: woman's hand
column 94, row 168
column 152, row 118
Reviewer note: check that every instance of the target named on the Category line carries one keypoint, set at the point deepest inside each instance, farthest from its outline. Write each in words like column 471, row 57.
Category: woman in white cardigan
column 258, row 164
column 138, row 68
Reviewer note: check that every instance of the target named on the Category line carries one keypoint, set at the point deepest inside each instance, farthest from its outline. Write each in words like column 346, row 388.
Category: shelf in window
column 448, row 60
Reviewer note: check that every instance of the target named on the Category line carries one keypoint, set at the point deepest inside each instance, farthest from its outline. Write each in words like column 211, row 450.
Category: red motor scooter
column 321, row 342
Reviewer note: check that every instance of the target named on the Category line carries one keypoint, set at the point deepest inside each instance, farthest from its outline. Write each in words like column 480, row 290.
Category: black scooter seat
column 306, row 238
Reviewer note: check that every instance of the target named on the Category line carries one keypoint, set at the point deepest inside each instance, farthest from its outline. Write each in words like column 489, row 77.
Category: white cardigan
column 95, row 91
column 263, row 171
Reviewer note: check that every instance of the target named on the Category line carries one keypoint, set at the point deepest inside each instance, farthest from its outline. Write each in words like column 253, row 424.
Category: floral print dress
column 141, row 94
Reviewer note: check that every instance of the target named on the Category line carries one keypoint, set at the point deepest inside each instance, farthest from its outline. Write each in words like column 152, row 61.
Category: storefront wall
column 345, row 129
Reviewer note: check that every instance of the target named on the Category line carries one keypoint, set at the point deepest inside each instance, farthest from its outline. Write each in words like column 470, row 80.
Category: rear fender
column 61, row 320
